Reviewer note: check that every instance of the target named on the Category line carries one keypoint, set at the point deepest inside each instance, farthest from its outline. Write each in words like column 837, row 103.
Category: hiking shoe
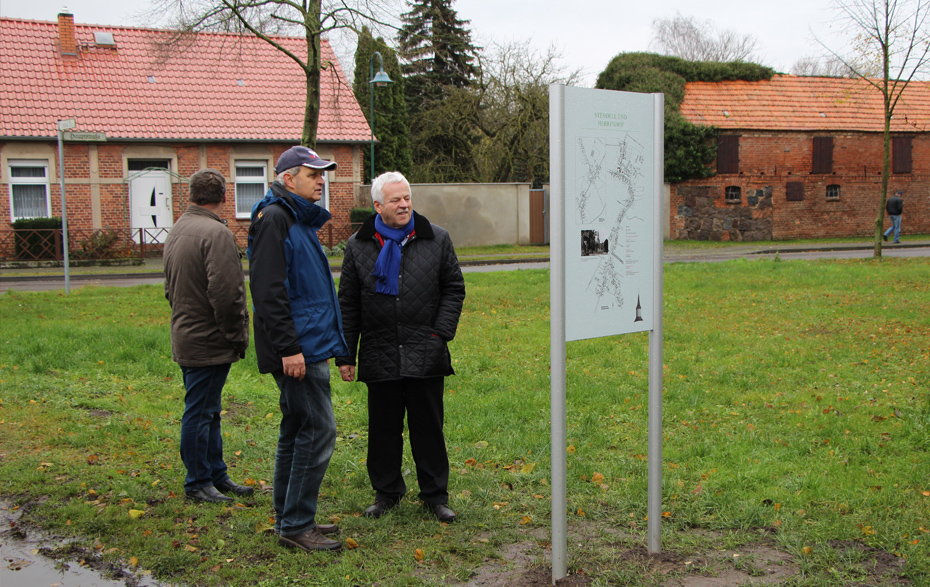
column 310, row 541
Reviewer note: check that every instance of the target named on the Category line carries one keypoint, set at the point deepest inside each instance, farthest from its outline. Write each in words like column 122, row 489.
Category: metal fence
column 114, row 243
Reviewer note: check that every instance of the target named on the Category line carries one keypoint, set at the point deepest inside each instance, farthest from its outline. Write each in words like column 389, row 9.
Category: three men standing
column 297, row 329
column 205, row 287
column 401, row 294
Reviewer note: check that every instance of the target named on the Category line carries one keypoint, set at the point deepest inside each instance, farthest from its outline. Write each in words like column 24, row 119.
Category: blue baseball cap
column 299, row 155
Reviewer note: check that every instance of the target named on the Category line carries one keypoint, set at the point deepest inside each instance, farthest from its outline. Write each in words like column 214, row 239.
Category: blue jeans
column 305, row 446
column 201, row 439
column 895, row 226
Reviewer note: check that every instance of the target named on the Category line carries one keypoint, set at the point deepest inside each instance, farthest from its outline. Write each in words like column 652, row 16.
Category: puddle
column 23, row 564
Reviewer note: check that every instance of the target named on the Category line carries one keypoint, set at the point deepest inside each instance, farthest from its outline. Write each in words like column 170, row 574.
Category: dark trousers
column 421, row 399
column 201, row 438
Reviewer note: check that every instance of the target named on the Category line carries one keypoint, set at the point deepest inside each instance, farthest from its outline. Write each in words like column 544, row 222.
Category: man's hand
column 294, row 366
column 347, row 372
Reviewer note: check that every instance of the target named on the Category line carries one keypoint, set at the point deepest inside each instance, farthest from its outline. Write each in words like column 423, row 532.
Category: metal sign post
column 606, row 169
column 64, row 125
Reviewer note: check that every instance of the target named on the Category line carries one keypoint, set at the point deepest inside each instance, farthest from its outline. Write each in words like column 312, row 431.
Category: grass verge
column 795, row 408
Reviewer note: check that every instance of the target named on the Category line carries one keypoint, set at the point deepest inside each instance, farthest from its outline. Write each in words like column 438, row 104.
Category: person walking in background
column 401, row 294
column 297, row 329
column 205, row 287
column 894, row 206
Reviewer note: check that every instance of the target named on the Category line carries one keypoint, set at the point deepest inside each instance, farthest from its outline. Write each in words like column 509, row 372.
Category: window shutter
column 728, row 154
column 901, row 154
column 794, row 191
column 823, row 155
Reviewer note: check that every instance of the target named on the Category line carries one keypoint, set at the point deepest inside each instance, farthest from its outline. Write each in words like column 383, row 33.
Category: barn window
column 833, row 192
column 734, row 194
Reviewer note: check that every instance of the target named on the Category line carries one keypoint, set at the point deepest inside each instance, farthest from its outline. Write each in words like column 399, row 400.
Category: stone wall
column 702, row 218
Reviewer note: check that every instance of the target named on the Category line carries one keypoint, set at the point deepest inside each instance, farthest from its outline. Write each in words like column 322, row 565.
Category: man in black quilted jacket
column 401, row 295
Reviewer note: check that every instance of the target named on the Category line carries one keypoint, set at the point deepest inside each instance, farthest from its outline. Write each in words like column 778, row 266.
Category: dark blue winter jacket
column 295, row 306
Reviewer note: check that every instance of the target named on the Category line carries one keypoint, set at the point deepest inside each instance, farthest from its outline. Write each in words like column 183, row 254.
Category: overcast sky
column 588, row 33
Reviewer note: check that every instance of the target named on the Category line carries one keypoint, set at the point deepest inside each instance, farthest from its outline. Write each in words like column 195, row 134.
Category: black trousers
column 421, row 399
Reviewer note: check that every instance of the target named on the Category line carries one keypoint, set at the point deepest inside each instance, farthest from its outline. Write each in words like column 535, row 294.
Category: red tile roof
column 788, row 102
column 218, row 87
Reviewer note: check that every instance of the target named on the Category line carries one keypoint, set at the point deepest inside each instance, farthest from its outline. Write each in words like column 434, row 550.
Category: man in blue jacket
column 298, row 327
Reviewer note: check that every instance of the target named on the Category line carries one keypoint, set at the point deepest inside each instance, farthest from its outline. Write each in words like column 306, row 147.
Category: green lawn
column 795, row 412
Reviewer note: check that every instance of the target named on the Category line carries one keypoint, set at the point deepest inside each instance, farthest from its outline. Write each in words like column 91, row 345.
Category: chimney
column 66, row 39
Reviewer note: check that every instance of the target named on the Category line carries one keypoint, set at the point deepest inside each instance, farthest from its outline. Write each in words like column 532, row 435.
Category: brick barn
column 801, row 157
column 229, row 102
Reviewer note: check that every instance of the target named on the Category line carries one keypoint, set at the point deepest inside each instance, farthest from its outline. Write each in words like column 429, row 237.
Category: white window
column 29, row 194
column 251, row 185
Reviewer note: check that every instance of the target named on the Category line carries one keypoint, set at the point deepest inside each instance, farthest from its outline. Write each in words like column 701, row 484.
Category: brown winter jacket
column 205, row 286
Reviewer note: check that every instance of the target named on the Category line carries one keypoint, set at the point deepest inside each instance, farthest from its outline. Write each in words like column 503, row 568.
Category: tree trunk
column 312, row 70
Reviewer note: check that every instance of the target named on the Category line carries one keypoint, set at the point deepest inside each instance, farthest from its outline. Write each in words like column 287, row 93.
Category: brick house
column 229, row 102
column 801, row 157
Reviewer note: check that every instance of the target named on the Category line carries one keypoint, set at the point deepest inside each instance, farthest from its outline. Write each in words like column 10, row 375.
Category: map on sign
column 610, row 181
column 609, row 217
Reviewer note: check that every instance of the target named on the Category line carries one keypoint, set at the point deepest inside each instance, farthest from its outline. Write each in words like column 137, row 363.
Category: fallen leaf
column 136, row 514
column 351, row 543
column 597, row 478
column 419, row 554
column 528, row 468
column 525, row 520
column 133, row 561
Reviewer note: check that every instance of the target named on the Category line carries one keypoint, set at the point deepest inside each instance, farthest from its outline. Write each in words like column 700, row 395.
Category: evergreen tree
column 391, row 123
column 438, row 50
column 440, row 61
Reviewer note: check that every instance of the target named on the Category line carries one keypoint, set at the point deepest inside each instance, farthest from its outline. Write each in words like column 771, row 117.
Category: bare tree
column 268, row 19
column 893, row 34
column 514, row 111
column 828, row 67
column 695, row 40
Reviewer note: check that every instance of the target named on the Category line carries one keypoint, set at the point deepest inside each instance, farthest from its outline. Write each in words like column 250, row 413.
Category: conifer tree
column 391, row 122
column 440, row 61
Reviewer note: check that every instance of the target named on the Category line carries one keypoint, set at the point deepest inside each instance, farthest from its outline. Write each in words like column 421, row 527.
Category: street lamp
column 379, row 80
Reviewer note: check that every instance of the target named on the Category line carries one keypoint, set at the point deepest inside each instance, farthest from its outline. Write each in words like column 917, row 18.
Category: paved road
column 56, row 281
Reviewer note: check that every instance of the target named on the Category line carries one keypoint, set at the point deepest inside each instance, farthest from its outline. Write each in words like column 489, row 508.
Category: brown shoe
column 310, row 541
column 327, row 528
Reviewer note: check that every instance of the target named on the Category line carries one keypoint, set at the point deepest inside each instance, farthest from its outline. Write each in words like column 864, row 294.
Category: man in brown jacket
column 205, row 286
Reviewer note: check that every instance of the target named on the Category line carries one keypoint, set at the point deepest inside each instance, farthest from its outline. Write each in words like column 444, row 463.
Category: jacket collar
column 303, row 212
column 201, row 211
column 421, row 226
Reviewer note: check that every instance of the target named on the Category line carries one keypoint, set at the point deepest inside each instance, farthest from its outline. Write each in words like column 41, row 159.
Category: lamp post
column 379, row 80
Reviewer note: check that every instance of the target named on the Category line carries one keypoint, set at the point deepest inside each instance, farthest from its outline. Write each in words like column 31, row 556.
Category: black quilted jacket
column 403, row 335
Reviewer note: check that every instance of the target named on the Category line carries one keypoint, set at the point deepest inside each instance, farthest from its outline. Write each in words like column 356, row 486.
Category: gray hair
column 377, row 186
column 293, row 171
column 207, row 186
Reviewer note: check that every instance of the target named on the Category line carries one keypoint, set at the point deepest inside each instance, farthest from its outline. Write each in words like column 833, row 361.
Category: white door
column 150, row 205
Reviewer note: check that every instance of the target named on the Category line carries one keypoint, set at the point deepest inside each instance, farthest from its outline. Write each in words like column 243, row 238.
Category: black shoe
column 207, row 494
column 442, row 512
column 885, row 237
column 230, row 486
column 379, row 508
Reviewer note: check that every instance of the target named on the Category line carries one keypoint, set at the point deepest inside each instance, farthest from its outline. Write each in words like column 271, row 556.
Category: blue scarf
column 387, row 267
